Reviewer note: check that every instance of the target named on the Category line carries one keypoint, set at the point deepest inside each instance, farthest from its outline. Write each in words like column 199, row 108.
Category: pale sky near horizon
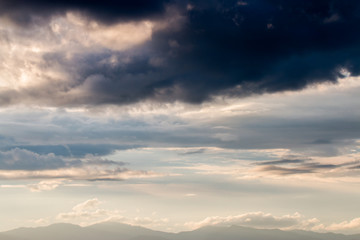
column 175, row 115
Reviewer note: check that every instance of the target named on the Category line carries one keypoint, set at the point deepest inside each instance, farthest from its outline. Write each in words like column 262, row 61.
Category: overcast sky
column 175, row 115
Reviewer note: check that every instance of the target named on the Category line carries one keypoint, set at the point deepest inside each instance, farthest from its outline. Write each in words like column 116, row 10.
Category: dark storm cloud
column 264, row 46
column 24, row 12
column 219, row 47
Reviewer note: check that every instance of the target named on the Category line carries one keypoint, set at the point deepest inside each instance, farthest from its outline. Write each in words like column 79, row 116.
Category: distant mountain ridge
column 119, row 231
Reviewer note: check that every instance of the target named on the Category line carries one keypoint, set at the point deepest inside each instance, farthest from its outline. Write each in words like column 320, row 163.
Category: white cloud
column 120, row 36
column 45, row 185
column 84, row 173
column 263, row 220
column 351, row 225
column 39, row 221
column 252, row 219
column 88, row 204
column 89, row 212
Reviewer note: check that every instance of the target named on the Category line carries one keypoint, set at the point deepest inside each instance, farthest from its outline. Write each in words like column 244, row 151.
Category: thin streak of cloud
column 89, row 174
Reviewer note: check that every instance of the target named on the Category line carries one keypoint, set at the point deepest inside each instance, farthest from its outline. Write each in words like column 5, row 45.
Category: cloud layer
column 268, row 221
column 90, row 212
column 24, row 164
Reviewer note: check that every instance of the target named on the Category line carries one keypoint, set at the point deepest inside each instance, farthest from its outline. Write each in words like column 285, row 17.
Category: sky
column 175, row 114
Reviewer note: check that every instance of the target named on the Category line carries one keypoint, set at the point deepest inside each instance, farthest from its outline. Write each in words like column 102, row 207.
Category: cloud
column 285, row 171
column 286, row 222
column 302, row 166
column 98, row 161
column 72, row 150
column 20, row 159
column 177, row 55
column 81, row 173
column 12, row 186
column 257, row 220
column 282, row 161
column 197, row 151
column 46, row 185
column 22, row 12
column 355, row 167
column 267, row 122
column 23, row 164
column 353, row 225
column 88, row 204
column 23, row 159
column 89, row 212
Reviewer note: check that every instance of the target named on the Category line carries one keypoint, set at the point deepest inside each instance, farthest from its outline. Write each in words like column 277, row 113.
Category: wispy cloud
column 282, row 161
column 90, row 212
column 46, row 185
column 89, row 174
column 23, row 164
column 197, row 151
column 301, row 166
column 269, row 221
column 255, row 219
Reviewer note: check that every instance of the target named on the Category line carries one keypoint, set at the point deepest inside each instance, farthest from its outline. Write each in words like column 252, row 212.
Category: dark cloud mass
column 221, row 47
column 264, row 46
column 107, row 11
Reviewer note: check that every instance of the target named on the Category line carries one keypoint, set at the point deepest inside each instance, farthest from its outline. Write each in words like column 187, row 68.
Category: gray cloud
column 261, row 130
column 355, row 167
column 198, row 151
column 289, row 121
column 72, row 150
column 21, row 159
column 23, row 164
column 301, row 166
column 90, row 160
column 282, row 161
column 285, row 171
